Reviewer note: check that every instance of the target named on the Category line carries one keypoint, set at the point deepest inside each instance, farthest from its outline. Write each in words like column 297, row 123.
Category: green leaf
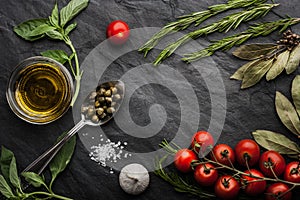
column 70, row 28
column 26, row 28
column 253, row 51
column 287, row 113
column 63, row 157
column 275, row 141
column 73, row 8
column 254, row 73
column 58, row 55
column 40, row 30
column 239, row 74
column 54, row 18
column 294, row 60
column 34, row 179
column 13, row 174
column 5, row 160
column 278, row 65
column 54, row 34
column 5, row 189
column 296, row 93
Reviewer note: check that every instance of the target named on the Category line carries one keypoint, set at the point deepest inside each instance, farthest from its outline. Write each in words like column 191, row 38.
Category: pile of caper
column 102, row 103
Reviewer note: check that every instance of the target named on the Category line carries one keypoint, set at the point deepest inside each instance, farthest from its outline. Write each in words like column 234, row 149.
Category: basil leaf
column 296, row 93
column 5, row 160
column 278, row 65
column 58, row 55
column 63, row 157
column 54, row 34
column 13, row 174
column 254, row 73
column 5, row 189
column 54, row 18
column 287, row 113
column 294, row 60
column 70, row 28
column 253, row 51
column 239, row 74
column 73, row 8
column 26, row 28
column 275, row 141
column 34, row 179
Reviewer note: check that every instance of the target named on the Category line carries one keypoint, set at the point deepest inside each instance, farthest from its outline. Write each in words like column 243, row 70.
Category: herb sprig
column 56, row 27
column 196, row 18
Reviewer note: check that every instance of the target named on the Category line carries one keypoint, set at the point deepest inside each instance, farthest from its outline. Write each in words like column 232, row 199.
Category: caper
column 84, row 109
column 104, row 107
column 90, row 112
column 117, row 97
column 95, row 118
column 103, row 115
column 101, row 99
column 93, row 95
column 100, row 111
column 107, row 93
column 114, row 90
column 113, row 104
column 108, row 100
column 102, row 91
column 97, row 104
column 110, row 110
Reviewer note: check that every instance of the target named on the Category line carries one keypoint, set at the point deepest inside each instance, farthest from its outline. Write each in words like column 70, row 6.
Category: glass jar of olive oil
column 40, row 90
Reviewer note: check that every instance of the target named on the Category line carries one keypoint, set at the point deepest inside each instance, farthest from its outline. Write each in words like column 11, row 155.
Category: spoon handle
column 39, row 164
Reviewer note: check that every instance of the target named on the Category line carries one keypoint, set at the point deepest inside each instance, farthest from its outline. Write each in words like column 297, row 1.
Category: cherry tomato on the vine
column 206, row 174
column 223, row 154
column 292, row 172
column 278, row 191
column 226, row 187
column 253, row 186
column 247, row 151
column 201, row 141
column 183, row 159
column 272, row 159
column 118, row 32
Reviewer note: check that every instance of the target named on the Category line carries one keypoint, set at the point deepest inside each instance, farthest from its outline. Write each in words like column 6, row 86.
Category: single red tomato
column 223, row 154
column 226, row 187
column 272, row 159
column 202, row 140
column 183, row 159
column 206, row 174
column 278, row 191
column 118, row 32
column 247, row 151
column 292, row 172
column 253, row 186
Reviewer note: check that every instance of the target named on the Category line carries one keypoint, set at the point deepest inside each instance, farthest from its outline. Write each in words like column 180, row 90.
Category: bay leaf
column 254, row 73
column 276, row 141
column 296, row 93
column 287, row 113
column 294, row 60
column 239, row 74
column 253, row 51
column 278, row 65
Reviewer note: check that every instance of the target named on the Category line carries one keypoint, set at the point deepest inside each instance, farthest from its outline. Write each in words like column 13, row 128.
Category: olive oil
column 40, row 91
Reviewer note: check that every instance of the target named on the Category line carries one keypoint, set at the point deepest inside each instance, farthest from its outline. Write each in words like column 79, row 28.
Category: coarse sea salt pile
column 108, row 151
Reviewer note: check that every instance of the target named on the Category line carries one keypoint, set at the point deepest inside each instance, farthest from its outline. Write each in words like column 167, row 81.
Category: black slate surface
column 246, row 110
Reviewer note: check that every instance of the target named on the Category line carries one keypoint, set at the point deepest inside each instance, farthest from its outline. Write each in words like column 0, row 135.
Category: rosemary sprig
column 226, row 43
column 185, row 21
column 224, row 25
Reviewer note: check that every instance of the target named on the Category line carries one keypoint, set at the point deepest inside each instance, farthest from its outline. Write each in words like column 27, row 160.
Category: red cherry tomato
column 223, row 154
column 183, row 159
column 202, row 140
column 118, row 32
column 272, row 159
column 206, row 174
column 253, row 186
column 247, row 151
column 226, row 187
column 278, row 191
column 292, row 172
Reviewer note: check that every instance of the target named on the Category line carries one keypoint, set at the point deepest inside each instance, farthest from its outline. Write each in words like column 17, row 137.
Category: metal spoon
column 97, row 109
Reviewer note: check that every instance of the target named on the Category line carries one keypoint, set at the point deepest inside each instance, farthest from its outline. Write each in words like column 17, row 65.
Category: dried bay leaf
column 275, row 141
column 296, row 93
column 253, row 51
column 294, row 60
column 239, row 74
column 254, row 73
column 278, row 66
column 287, row 113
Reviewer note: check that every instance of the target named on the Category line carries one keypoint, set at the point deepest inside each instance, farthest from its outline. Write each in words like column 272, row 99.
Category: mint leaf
column 70, row 28
column 73, row 8
column 5, row 189
column 5, row 160
column 58, row 55
column 26, row 28
column 13, row 174
column 34, row 179
column 54, row 18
